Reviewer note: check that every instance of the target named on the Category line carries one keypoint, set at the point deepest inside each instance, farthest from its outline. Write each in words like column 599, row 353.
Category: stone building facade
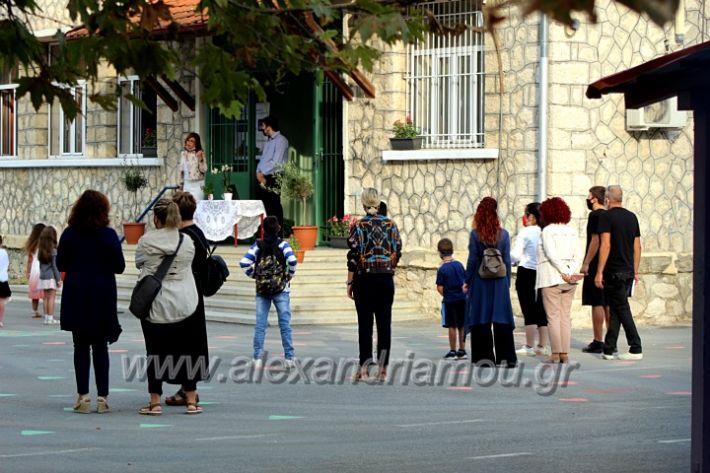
column 433, row 198
column 588, row 144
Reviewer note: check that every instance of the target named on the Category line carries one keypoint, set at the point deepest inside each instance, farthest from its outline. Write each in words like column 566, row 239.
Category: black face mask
column 590, row 206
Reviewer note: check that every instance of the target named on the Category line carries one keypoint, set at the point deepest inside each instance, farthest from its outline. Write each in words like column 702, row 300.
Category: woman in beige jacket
column 173, row 354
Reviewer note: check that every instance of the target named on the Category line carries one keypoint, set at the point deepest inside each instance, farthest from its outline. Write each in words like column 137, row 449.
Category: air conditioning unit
column 664, row 114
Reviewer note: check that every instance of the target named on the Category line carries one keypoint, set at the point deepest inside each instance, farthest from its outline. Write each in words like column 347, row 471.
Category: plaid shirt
column 375, row 246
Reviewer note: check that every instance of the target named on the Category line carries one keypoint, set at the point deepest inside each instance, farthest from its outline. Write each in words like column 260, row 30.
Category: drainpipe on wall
column 543, row 34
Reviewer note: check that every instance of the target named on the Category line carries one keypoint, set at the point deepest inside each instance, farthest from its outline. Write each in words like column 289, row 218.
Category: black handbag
column 147, row 289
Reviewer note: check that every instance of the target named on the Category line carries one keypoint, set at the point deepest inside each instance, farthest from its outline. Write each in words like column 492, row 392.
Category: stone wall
column 588, row 145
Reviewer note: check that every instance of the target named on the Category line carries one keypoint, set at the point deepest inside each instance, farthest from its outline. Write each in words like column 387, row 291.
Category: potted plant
column 339, row 231
column 224, row 172
column 406, row 135
column 293, row 184
column 134, row 180
column 300, row 254
column 208, row 190
column 149, row 147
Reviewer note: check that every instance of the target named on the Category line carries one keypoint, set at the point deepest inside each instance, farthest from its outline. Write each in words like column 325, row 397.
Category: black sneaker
column 450, row 355
column 594, row 347
column 461, row 354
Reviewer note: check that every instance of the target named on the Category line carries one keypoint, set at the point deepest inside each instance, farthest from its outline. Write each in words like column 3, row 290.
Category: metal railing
column 151, row 204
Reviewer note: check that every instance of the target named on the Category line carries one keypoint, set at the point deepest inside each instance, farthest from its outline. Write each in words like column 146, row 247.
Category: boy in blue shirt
column 449, row 283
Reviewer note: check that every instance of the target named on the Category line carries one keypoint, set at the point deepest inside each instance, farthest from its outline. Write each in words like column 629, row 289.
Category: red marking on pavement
column 607, row 391
column 460, row 388
column 118, row 350
column 680, row 393
column 574, row 399
column 650, row 376
column 566, row 383
column 625, row 363
column 302, row 333
column 54, row 343
column 675, row 347
column 226, row 337
column 442, row 336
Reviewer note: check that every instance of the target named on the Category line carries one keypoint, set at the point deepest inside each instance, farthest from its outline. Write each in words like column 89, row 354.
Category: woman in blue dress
column 489, row 312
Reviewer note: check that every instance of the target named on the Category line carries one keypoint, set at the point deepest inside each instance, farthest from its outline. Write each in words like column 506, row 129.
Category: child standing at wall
column 5, row 292
column 49, row 276
column 34, row 293
column 449, row 282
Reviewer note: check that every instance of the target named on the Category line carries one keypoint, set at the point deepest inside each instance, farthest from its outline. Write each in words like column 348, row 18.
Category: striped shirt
column 248, row 262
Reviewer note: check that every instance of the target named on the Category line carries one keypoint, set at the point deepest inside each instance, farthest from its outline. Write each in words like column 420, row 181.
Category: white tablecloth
column 216, row 218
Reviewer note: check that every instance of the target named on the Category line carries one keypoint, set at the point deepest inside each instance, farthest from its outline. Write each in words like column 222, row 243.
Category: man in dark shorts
column 619, row 258
column 592, row 295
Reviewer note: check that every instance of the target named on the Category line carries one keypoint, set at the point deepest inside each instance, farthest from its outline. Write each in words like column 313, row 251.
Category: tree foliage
column 247, row 45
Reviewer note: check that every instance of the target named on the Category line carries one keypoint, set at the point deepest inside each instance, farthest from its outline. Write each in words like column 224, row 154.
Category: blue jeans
column 282, row 301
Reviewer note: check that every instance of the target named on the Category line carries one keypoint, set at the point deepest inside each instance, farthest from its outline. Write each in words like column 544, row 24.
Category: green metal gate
column 230, row 142
column 330, row 172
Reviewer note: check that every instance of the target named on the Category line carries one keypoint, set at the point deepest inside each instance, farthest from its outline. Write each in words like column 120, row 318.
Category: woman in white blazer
column 558, row 257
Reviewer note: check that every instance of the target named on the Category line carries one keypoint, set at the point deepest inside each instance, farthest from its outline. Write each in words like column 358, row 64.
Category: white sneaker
column 631, row 356
column 289, row 364
column 47, row 320
column 525, row 351
column 608, row 357
column 258, row 363
column 542, row 351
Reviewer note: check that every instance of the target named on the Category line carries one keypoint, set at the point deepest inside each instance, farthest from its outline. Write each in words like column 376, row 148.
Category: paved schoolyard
column 604, row 416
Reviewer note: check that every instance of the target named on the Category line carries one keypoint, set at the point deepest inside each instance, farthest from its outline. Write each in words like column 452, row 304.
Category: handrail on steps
column 151, row 204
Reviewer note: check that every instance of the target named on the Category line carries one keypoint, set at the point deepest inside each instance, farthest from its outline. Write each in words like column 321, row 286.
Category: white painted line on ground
column 232, row 437
column 51, row 452
column 500, row 455
column 448, row 422
column 674, row 441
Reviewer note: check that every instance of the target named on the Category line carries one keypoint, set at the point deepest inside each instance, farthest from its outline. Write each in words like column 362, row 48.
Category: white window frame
column 62, row 123
column 11, row 87
column 426, row 102
column 134, row 81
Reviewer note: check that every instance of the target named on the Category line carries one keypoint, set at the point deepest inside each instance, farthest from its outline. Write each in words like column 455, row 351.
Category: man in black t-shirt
column 591, row 294
column 619, row 258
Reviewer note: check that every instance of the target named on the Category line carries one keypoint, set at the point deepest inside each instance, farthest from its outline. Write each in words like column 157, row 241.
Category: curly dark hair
column 90, row 211
column 555, row 210
column 486, row 222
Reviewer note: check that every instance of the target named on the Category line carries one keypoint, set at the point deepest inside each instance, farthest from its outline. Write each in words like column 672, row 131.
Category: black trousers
column 374, row 295
column 497, row 346
column 532, row 307
column 616, row 290
column 86, row 347
column 271, row 200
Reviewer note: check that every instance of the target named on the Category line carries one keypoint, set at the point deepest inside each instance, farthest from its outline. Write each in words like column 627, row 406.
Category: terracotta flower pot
column 300, row 254
column 306, row 236
column 133, row 231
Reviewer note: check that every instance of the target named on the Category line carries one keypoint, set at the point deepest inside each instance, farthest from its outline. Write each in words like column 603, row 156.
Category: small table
column 219, row 219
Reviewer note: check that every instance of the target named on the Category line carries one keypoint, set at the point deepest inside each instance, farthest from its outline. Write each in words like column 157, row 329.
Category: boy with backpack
column 272, row 264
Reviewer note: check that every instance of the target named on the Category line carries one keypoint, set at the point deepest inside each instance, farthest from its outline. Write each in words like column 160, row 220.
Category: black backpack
column 270, row 270
column 216, row 273
column 216, row 270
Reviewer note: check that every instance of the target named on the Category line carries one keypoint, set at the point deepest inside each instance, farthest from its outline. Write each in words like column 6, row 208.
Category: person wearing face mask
column 592, row 295
column 274, row 156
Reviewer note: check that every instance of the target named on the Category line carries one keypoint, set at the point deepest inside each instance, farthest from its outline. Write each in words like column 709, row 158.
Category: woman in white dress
column 193, row 166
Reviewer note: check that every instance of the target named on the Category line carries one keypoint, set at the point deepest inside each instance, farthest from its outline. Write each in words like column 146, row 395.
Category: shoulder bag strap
column 167, row 261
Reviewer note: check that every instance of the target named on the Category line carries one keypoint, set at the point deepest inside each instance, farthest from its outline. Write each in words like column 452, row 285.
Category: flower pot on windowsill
column 338, row 241
column 149, row 151
column 402, row 144
column 227, row 195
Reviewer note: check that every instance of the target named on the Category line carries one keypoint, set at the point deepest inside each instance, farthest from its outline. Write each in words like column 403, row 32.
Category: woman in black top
column 187, row 204
column 90, row 254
